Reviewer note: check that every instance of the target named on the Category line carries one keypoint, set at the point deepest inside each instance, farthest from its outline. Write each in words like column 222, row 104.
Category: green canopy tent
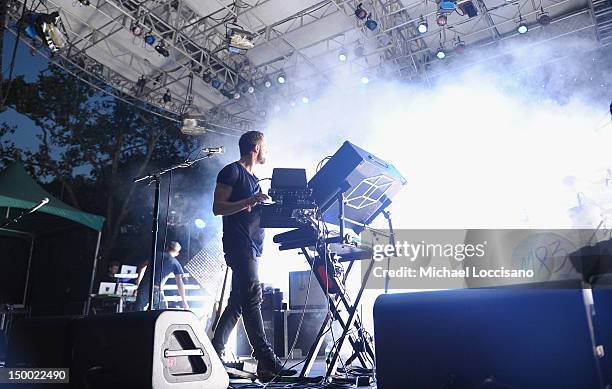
column 19, row 192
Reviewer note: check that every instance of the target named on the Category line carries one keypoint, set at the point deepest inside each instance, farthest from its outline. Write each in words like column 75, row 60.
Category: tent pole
column 27, row 279
column 93, row 275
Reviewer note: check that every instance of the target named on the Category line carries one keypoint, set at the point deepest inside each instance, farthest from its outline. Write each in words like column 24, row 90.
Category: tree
column 91, row 146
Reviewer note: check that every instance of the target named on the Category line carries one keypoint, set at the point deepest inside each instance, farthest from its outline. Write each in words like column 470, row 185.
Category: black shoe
column 270, row 367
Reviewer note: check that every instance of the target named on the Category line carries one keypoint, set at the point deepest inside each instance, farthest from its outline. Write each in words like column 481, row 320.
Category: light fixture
column 361, row 13
column 371, row 24
column 199, row 223
column 84, row 2
column 236, row 95
column 447, row 6
column 250, row 89
column 239, row 40
column 305, row 100
column 137, row 29
column 149, row 39
column 522, row 27
column 207, row 77
column 365, row 80
column 441, row 20
column 281, row 78
column 193, row 126
column 459, row 46
column 422, row 27
column 543, row 18
column 215, row 83
column 161, row 49
column 440, row 54
column 226, row 93
column 44, row 26
column 342, row 55
column 267, row 82
column 167, row 96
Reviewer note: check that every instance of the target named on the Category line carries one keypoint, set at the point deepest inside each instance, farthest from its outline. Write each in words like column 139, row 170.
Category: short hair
column 248, row 141
column 176, row 246
column 114, row 263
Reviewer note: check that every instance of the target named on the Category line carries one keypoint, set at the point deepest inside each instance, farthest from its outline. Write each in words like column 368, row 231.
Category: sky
column 29, row 66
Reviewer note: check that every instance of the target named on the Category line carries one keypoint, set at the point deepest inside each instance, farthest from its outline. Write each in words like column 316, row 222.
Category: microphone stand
column 155, row 178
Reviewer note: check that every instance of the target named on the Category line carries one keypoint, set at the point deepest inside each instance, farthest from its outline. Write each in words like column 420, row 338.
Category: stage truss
column 299, row 38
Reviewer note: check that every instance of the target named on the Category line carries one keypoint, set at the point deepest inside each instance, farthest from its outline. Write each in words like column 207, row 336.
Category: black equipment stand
column 155, row 178
column 361, row 350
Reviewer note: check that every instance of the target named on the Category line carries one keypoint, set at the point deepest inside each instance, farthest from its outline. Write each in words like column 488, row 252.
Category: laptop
column 128, row 269
column 107, row 288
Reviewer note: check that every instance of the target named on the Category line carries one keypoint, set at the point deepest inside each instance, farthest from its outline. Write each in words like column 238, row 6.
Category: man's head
column 113, row 267
column 173, row 248
column 253, row 143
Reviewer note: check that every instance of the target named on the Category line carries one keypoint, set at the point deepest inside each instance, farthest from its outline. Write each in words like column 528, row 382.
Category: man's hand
column 185, row 305
column 256, row 199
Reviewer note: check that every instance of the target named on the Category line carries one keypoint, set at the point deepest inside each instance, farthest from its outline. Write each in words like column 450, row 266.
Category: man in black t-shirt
column 237, row 199
column 165, row 266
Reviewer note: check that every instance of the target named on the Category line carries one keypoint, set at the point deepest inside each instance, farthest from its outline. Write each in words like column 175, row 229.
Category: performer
column 170, row 265
column 113, row 268
column 236, row 198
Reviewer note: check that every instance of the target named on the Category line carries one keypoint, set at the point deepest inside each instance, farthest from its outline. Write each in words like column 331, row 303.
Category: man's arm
column 141, row 272
column 223, row 207
column 181, row 289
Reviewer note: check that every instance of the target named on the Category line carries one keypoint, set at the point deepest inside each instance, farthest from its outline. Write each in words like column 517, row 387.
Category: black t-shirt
column 170, row 265
column 241, row 231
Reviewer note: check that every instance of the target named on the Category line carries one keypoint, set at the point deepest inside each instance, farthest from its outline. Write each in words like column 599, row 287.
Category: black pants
column 142, row 298
column 245, row 299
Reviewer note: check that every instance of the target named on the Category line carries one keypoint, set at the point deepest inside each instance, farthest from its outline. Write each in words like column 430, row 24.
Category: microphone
column 214, row 150
column 40, row 205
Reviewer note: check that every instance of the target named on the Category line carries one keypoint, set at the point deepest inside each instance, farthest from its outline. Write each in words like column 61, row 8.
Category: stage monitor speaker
column 158, row 349
column 477, row 338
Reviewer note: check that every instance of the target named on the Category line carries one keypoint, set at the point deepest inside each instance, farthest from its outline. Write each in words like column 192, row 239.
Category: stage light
column 281, row 78
column 239, row 40
column 365, row 80
column 522, row 28
column 441, row 20
column 193, row 126
column 161, row 49
column 460, row 46
column 305, row 100
column 207, row 77
column 137, row 30
column 267, row 82
column 447, row 6
column 44, row 26
column 199, row 223
column 361, row 13
column 250, row 89
column 342, row 55
column 167, row 96
column 371, row 24
column 215, row 83
column 236, row 95
column 422, row 27
column 149, row 39
column 543, row 18
column 440, row 54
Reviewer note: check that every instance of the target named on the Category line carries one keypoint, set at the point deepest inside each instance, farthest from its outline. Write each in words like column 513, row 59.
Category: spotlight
column 361, row 13
column 137, row 30
column 460, row 46
column 250, row 89
column 167, row 97
column 281, row 78
column 365, row 80
column 422, row 27
column 522, row 28
column 342, row 55
column 207, row 77
column 441, row 54
column 267, row 82
column 161, row 49
column 199, row 223
column 44, row 26
column 441, row 20
column 193, row 126
column 240, row 41
column 543, row 18
column 215, row 83
column 196, row 67
column 149, row 39
column 305, row 100
column 236, row 95
column 371, row 24
column 227, row 93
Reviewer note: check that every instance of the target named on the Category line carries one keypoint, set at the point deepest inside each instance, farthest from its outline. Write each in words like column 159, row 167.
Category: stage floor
column 318, row 370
